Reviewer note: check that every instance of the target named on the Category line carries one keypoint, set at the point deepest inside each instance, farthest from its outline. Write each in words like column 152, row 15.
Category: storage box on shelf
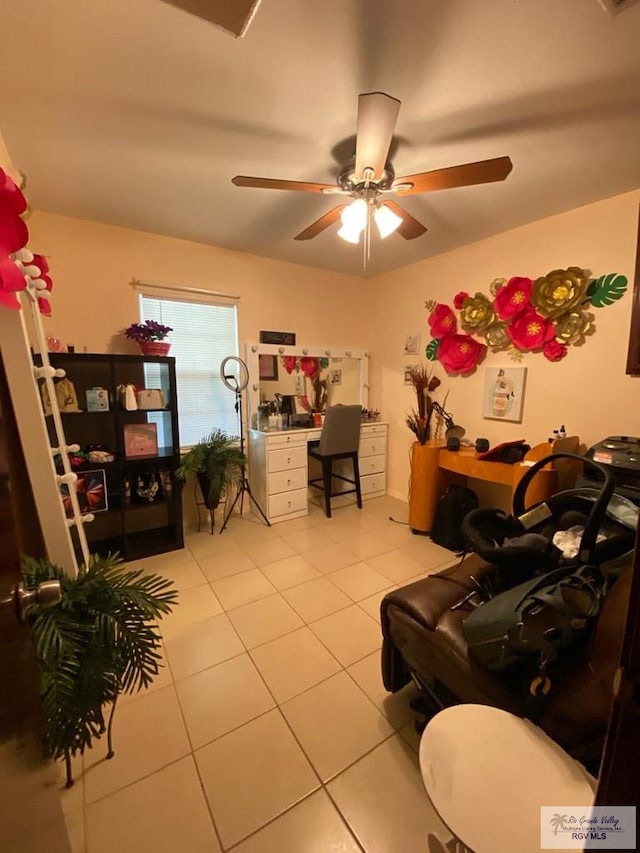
column 141, row 517
column 278, row 468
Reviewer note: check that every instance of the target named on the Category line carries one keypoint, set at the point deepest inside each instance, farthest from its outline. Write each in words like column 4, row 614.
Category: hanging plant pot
column 205, row 487
column 154, row 347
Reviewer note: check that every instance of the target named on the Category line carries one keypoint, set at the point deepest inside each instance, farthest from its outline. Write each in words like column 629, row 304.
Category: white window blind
column 203, row 335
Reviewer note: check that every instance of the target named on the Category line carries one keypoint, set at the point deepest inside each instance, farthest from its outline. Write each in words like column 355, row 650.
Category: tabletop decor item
column 140, row 440
column 521, row 315
column 150, row 337
column 424, row 383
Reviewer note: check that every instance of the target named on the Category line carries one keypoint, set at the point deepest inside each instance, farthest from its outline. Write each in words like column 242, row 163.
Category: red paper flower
column 554, row 350
column 460, row 354
column 530, row 331
column 11, row 276
column 289, row 363
column 11, row 195
column 513, row 298
column 309, row 366
column 41, row 262
column 458, row 300
column 44, row 305
column 442, row 321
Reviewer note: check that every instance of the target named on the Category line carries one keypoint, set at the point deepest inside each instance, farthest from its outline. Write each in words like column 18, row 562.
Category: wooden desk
column 433, row 468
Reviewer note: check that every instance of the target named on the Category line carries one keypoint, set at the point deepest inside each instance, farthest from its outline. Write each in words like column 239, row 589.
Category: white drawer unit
column 375, row 445
column 287, row 503
column 286, row 459
column 278, row 468
column 372, row 465
column 285, row 481
column 373, row 485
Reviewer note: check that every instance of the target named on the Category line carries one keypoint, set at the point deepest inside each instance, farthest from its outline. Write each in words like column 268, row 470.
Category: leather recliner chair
column 423, row 640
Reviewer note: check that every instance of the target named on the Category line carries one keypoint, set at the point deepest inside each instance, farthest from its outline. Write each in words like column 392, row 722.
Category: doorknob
column 48, row 594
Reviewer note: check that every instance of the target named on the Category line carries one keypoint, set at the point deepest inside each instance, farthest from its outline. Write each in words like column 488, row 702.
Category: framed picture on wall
column 336, row 376
column 412, row 344
column 503, row 396
column 268, row 367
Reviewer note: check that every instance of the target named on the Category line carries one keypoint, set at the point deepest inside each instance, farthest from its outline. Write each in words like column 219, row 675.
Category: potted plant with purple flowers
column 150, row 337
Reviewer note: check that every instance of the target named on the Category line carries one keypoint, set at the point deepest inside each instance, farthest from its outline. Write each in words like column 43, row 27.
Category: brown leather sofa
column 423, row 640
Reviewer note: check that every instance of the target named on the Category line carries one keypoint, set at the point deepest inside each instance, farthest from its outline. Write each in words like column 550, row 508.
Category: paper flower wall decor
column 19, row 267
column 547, row 315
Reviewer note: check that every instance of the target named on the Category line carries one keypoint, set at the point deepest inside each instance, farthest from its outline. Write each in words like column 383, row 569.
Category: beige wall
column 92, row 265
column 588, row 391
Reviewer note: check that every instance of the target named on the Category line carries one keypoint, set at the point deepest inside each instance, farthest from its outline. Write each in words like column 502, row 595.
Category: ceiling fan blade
column 320, row 224
column 377, row 116
column 234, row 17
column 483, row 172
column 410, row 228
column 275, row 184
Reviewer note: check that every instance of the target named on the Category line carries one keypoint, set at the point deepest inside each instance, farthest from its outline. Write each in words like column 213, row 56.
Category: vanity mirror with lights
column 286, row 385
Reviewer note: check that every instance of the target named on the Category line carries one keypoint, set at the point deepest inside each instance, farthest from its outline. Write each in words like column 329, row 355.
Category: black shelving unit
column 131, row 525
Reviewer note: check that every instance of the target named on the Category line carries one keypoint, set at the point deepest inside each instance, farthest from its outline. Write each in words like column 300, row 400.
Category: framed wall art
column 91, row 487
column 503, row 396
column 268, row 367
column 140, row 440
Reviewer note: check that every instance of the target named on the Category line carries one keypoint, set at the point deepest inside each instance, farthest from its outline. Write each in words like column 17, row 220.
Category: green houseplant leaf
column 431, row 351
column 99, row 641
column 607, row 289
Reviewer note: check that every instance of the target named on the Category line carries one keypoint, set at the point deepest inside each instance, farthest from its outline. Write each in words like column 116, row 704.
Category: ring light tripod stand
column 235, row 375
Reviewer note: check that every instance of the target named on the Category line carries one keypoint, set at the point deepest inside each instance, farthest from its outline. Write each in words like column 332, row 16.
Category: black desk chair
column 339, row 439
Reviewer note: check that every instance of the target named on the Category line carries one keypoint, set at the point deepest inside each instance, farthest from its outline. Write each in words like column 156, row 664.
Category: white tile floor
column 269, row 729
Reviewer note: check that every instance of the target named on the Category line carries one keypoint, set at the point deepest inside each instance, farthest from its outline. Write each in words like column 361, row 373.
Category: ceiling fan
column 233, row 17
column 369, row 179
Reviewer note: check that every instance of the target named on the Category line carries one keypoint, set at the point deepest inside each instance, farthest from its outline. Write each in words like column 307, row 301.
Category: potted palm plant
column 99, row 641
column 217, row 462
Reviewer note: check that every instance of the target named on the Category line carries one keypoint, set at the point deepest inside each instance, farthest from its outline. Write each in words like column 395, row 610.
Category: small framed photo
column 503, row 397
column 408, row 370
column 140, row 440
column 268, row 367
column 335, row 377
column 412, row 344
column 91, row 488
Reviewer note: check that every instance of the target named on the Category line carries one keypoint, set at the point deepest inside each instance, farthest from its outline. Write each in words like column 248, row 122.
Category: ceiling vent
column 615, row 6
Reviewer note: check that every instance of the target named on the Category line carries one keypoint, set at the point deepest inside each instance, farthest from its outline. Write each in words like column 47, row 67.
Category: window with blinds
column 203, row 335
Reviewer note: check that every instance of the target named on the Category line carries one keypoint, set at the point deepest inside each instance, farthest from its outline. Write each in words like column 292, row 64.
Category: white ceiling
column 134, row 113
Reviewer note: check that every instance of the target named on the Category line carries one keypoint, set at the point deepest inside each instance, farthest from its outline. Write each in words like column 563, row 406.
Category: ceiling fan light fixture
column 386, row 220
column 355, row 215
column 351, row 235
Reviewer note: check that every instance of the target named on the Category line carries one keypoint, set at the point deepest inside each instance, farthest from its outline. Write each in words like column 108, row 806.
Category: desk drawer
column 369, row 430
column 371, row 465
column 290, row 457
column 287, row 502
column 372, row 484
column 373, row 445
column 287, row 439
column 286, row 481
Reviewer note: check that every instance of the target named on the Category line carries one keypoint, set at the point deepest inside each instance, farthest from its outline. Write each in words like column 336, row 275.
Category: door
column 31, row 819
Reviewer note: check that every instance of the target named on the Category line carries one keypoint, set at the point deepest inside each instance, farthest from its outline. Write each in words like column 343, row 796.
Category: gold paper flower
column 559, row 291
column 497, row 337
column 477, row 314
column 496, row 284
column 572, row 328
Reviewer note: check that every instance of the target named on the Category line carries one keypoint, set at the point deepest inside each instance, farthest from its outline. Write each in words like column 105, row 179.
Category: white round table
column 488, row 772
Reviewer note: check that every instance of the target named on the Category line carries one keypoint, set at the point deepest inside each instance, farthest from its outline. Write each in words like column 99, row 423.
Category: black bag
column 452, row 507
column 539, row 617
